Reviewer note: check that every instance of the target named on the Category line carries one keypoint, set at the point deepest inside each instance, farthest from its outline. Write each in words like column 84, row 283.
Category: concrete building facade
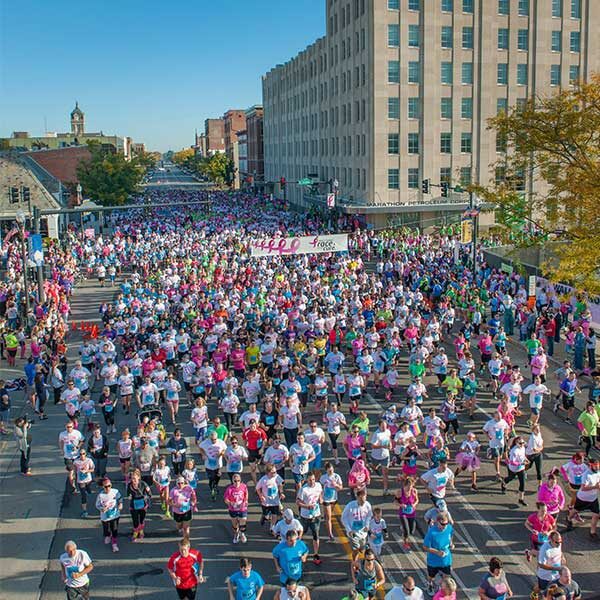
column 398, row 91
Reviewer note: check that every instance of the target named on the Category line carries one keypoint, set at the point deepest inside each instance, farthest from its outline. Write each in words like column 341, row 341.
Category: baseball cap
column 288, row 514
column 441, row 505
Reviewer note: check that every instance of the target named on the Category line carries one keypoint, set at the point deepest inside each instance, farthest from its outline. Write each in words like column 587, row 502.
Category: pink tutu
column 468, row 461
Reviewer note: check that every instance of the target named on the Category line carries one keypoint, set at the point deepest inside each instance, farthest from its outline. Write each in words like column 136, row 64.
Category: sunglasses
column 407, row 589
column 106, row 486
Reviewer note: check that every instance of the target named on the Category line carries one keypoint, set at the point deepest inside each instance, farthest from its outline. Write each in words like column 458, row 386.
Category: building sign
column 36, row 250
column 466, row 231
column 330, row 200
column 309, row 244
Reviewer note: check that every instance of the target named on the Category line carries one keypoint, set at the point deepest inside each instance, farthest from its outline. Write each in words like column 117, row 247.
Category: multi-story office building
column 254, row 128
column 398, row 91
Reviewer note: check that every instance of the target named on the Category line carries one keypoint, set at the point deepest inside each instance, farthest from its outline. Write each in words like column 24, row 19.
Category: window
column 501, row 105
column 554, row 74
column 467, row 73
column 446, row 175
column 466, row 108
column 414, row 4
column 413, row 108
column 573, row 73
column 521, row 104
column 413, row 72
column 393, row 143
column 503, row 7
column 467, row 6
column 413, row 36
column 465, row 176
column 394, row 4
column 522, row 74
column 446, row 143
column 502, row 39
column 393, row 179
column 393, row 35
column 393, row 108
column 502, row 73
column 575, row 41
column 446, row 73
column 467, row 38
column 466, row 144
column 413, row 143
column 445, row 108
column 523, row 8
column 500, row 175
column 393, row 71
column 500, row 144
column 523, row 39
column 446, row 36
column 557, row 8
column 575, row 9
column 413, row 179
column 447, row 5
column 556, row 41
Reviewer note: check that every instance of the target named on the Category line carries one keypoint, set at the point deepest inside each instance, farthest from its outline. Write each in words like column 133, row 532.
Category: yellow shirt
column 252, row 354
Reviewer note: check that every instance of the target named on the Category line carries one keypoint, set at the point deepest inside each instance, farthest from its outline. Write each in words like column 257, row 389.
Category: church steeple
column 77, row 120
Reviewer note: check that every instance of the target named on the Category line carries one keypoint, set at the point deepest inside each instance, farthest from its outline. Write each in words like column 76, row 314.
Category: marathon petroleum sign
column 309, row 244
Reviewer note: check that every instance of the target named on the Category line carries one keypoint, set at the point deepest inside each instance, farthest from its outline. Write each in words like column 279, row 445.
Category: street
column 487, row 523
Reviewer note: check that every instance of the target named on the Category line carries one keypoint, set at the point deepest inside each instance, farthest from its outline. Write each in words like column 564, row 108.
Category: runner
column 186, row 567
column 245, row 584
column 109, row 503
column 76, row 565
column 69, row 442
column 236, row 499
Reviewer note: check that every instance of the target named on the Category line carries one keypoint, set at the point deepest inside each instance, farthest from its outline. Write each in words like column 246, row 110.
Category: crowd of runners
column 288, row 370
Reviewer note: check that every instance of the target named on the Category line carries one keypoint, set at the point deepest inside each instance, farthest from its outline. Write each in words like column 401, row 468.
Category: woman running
column 236, row 499
column 140, row 498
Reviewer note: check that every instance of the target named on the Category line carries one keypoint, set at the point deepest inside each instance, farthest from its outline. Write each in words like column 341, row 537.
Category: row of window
column 414, row 179
column 466, row 143
column 466, row 74
column 447, row 38
column 503, row 7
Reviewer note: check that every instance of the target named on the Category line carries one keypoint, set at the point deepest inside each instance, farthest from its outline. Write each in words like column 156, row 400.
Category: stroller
column 148, row 413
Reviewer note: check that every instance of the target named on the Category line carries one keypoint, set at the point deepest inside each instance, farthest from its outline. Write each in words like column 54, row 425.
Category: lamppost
column 20, row 218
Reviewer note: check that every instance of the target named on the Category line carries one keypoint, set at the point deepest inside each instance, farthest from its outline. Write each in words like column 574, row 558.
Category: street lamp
column 20, row 218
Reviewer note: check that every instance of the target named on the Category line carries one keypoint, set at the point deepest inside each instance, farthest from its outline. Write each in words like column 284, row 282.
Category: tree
column 217, row 168
column 554, row 142
column 183, row 156
column 107, row 177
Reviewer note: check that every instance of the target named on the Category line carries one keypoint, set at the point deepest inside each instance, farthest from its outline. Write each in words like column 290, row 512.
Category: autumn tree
column 181, row 157
column 553, row 142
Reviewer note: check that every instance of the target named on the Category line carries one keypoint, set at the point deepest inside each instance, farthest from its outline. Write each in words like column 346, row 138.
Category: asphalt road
column 37, row 520
column 173, row 176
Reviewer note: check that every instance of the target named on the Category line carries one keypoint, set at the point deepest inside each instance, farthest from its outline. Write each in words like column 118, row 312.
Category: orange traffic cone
column 73, row 326
column 82, row 326
column 94, row 333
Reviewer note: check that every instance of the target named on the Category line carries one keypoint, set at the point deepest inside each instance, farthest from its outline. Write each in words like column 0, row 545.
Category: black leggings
column 452, row 423
column 230, row 419
column 408, row 525
column 535, row 459
column 290, row 436
column 109, row 417
column 85, row 490
column 589, row 441
column 520, row 475
column 138, row 516
column 111, row 528
column 188, row 594
column 25, row 454
column 214, row 476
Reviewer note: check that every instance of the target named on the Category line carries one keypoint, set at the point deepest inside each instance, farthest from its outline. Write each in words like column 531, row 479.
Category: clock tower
column 77, row 120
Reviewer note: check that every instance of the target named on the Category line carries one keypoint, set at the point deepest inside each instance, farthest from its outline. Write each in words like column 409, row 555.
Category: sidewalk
column 31, row 506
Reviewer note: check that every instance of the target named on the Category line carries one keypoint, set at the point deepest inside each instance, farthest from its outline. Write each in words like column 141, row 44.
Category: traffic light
column 444, row 185
column 25, row 194
column 425, row 186
column 282, row 182
column 14, row 195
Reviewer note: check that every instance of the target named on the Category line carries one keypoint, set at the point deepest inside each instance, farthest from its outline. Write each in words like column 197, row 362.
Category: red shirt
column 252, row 438
column 184, row 568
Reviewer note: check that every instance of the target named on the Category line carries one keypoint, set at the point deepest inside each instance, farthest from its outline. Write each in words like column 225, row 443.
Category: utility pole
column 20, row 218
column 475, row 217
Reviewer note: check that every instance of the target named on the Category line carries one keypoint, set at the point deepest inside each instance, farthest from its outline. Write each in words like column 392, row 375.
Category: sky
column 152, row 70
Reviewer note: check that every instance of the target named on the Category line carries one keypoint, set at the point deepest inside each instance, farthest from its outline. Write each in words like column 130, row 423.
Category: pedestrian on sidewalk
column 75, row 565
column 23, row 437
column 4, row 407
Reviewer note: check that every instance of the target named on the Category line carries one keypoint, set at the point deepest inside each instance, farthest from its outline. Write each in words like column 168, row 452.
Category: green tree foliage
column 555, row 141
column 218, row 168
column 108, row 178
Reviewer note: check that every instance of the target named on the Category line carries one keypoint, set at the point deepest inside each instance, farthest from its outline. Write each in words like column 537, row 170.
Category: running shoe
column 406, row 546
column 107, row 539
column 236, row 538
column 528, row 555
column 594, row 536
column 430, row 589
column 213, row 494
column 522, row 502
column 317, row 560
column 243, row 538
column 115, row 548
column 568, row 421
column 84, row 514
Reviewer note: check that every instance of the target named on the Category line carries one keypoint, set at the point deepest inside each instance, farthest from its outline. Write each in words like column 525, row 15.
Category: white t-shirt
column 549, row 556
column 589, row 495
column 398, row 593
column 437, row 481
column 269, row 487
column 385, row 439
column 310, row 495
column 71, row 441
column 496, row 431
column 75, row 564
column 282, row 527
column 212, row 451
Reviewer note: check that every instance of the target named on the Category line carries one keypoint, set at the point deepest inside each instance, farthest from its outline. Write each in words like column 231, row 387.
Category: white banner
column 308, row 244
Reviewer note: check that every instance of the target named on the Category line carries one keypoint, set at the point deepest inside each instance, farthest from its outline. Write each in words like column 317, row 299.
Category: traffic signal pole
column 475, row 228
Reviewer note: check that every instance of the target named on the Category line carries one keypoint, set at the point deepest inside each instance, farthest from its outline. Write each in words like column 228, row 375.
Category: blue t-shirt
column 440, row 540
column 290, row 560
column 246, row 587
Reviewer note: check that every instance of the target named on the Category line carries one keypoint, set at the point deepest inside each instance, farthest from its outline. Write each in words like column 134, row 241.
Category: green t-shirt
column 222, row 431
column 532, row 346
column 417, row 369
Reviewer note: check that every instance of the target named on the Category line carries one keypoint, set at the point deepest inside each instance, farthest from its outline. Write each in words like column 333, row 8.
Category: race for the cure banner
column 308, row 244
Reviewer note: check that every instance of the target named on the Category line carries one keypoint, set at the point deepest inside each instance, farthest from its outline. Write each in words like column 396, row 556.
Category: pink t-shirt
column 237, row 498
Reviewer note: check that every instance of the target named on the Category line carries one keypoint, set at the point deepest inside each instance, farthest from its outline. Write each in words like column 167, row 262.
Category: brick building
column 254, row 129
column 214, row 132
